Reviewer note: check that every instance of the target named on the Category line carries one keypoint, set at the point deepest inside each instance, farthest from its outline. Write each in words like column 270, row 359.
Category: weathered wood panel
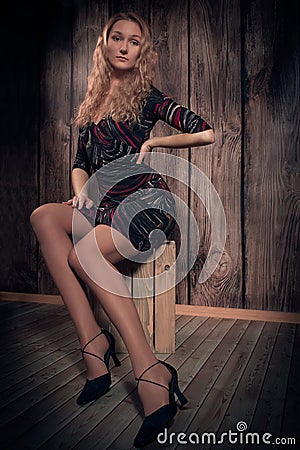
column 171, row 36
column 89, row 19
column 19, row 99
column 164, row 301
column 272, row 142
column 138, row 6
column 270, row 408
column 242, row 406
column 215, row 62
column 250, row 370
column 55, row 102
column 290, row 419
column 236, row 63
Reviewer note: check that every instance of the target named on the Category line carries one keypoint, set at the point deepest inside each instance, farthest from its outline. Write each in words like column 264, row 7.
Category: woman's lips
column 122, row 58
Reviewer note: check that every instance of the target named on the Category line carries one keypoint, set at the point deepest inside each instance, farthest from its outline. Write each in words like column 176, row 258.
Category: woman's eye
column 136, row 43
column 115, row 38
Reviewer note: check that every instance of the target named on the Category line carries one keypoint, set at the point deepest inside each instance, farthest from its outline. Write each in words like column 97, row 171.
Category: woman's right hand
column 72, row 202
column 82, row 200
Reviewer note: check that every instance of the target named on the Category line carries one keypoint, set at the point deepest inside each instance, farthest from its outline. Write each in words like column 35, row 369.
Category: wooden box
column 157, row 306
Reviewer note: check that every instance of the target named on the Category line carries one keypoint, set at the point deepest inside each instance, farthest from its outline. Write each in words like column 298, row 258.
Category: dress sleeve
column 179, row 117
column 81, row 159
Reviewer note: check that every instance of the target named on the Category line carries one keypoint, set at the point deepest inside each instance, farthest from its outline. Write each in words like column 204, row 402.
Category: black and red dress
column 110, row 149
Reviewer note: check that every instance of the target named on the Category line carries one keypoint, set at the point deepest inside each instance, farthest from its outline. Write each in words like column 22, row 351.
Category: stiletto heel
column 160, row 419
column 182, row 399
column 93, row 389
column 115, row 359
column 112, row 347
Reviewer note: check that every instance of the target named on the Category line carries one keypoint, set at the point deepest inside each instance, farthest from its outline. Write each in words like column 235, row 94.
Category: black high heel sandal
column 160, row 419
column 93, row 389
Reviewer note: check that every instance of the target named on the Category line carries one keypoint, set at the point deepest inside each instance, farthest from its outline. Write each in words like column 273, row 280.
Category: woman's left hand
column 145, row 148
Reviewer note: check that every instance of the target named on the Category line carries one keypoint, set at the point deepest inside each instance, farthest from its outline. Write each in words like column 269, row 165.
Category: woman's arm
column 181, row 140
column 195, row 131
column 80, row 172
column 79, row 178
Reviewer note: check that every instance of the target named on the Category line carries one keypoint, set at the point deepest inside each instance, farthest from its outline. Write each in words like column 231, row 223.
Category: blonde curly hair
column 127, row 104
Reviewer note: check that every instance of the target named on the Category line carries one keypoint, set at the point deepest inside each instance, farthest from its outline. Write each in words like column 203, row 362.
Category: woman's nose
column 124, row 48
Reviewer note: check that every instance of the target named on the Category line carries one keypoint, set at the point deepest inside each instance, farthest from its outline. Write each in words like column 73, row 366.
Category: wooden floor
column 231, row 371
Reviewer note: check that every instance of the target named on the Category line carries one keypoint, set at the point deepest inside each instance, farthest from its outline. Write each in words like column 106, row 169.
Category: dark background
column 235, row 62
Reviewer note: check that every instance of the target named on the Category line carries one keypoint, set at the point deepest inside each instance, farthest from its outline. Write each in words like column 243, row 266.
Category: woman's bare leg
column 52, row 224
column 111, row 290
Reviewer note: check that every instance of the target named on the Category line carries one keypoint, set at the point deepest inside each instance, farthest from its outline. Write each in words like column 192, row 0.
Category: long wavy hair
column 127, row 102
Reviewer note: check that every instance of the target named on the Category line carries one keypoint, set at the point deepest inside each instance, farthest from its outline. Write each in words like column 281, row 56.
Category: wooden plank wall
column 19, row 145
column 235, row 62
column 55, row 108
column 215, row 67
column 271, row 156
column 173, row 78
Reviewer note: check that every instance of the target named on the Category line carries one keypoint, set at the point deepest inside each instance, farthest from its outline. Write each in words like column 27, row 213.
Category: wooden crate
column 156, row 311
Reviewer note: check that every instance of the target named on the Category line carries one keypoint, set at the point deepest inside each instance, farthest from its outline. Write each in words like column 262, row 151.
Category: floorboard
column 290, row 419
column 241, row 373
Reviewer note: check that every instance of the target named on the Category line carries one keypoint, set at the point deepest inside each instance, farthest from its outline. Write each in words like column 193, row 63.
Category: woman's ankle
column 154, row 396
column 93, row 355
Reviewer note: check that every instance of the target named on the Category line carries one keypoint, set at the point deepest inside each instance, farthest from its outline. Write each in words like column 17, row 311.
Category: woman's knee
column 86, row 253
column 45, row 215
column 73, row 259
column 40, row 215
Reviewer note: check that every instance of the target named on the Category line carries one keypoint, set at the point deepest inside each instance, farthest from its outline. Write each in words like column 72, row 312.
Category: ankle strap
column 149, row 381
column 84, row 347
column 148, row 368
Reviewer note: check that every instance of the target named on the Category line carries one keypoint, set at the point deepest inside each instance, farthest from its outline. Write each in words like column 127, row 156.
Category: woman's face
column 124, row 45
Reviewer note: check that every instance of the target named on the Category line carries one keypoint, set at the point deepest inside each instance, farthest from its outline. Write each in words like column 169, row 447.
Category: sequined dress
column 133, row 200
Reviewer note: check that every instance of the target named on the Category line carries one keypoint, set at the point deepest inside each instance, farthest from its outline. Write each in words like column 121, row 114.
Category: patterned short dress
column 132, row 201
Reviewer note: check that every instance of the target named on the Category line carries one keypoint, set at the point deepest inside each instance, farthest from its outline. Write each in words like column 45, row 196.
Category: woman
column 120, row 108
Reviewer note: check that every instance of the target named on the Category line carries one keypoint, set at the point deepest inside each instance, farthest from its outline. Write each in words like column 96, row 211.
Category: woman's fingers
column 74, row 201
column 145, row 148
column 69, row 202
column 140, row 159
column 89, row 203
column 82, row 200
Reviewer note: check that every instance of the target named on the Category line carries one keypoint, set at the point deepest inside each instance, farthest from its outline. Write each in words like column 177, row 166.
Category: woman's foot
column 153, row 396
column 160, row 406
column 94, row 364
column 99, row 379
